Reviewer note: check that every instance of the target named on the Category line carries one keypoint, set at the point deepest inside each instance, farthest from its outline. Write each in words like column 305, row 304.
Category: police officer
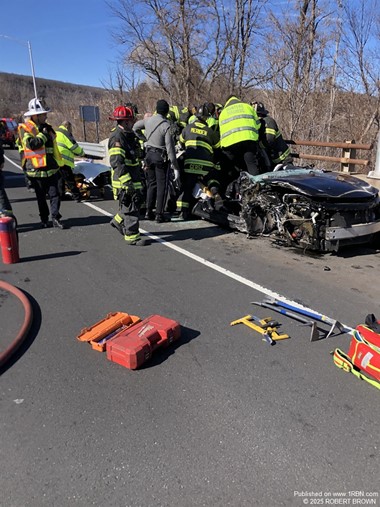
column 200, row 142
column 160, row 152
column 42, row 161
column 239, row 134
column 123, row 150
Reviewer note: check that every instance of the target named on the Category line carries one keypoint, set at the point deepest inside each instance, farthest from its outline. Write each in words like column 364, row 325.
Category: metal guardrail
column 347, row 160
column 94, row 150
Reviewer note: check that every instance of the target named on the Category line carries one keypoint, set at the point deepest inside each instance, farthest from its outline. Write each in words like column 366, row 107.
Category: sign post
column 90, row 114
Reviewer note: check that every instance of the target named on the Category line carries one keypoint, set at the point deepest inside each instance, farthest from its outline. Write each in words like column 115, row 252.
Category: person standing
column 271, row 138
column 160, row 152
column 5, row 205
column 42, row 161
column 126, row 178
column 68, row 148
column 200, row 142
column 239, row 135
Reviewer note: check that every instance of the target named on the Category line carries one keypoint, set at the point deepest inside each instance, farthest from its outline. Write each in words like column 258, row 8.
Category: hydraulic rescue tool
column 314, row 329
column 267, row 327
column 314, row 315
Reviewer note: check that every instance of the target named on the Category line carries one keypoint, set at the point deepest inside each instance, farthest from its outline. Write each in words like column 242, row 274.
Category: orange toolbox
column 135, row 345
column 98, row 334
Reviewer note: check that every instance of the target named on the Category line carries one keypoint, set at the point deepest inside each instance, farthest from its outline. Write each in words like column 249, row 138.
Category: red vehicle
column 8, row 132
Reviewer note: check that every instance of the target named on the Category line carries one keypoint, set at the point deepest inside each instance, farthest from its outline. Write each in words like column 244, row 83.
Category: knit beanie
column 162, row 107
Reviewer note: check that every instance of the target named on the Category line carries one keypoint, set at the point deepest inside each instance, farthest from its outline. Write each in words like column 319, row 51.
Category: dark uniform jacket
column 123, row 147
column 273, row 142
column 200, row 141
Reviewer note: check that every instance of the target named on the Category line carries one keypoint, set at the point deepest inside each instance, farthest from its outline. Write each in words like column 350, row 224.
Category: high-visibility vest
column 67, row 146
column 238, row 122
column 37, row 158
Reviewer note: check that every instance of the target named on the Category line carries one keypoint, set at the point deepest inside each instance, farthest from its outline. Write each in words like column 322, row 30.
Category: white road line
column 215, row 267
column 16, row 165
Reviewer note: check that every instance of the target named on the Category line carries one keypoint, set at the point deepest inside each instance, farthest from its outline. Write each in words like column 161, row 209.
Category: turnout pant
column 5, row 205
column 126, row 219
column 47, row 186
column 157, row 179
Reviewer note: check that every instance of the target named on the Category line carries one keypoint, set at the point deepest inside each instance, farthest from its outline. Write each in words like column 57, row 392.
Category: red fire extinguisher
column 8, row 240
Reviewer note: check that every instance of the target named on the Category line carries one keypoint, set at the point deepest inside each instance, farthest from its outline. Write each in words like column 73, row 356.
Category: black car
column 302, row 207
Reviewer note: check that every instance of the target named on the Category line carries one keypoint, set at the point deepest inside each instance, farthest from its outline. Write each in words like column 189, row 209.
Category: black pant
column 48, row 186
column 5, row 205
column 157, row 180
column 244, row 156
column 66, row 178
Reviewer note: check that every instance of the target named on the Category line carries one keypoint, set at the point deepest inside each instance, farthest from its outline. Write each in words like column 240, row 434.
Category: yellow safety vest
column 238, row 122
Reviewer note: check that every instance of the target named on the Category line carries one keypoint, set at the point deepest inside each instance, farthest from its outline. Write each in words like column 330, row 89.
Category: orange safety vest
column 37, row 157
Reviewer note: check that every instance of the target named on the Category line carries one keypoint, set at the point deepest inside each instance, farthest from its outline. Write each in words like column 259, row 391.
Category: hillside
column 63, row 98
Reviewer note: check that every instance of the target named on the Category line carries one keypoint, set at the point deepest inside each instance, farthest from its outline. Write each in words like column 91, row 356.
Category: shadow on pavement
column 51, row 256
column 159, row 356
column 32, row 334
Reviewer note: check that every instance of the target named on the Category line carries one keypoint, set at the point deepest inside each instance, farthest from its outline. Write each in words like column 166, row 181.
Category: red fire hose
column 28, row 317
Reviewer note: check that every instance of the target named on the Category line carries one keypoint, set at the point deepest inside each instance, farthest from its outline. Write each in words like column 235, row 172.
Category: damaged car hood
column 318, row 184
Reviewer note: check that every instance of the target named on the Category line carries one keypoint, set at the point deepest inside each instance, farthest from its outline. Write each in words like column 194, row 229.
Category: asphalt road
column 219, row 419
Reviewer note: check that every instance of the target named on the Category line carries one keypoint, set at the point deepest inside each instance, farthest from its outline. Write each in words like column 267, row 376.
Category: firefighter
column 5, row 205
column 68, row 148
column 20, row 149
column 123, row 150
column 271, row 138
column 239, row 135
column 200, row 142
column 42, row 161
column 160, row 152
column 212, row 120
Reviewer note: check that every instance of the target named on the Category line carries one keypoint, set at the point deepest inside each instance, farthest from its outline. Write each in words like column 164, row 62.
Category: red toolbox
column 132, row 347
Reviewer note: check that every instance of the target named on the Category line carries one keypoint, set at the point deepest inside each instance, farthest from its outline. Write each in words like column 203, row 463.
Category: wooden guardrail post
column 349, row 154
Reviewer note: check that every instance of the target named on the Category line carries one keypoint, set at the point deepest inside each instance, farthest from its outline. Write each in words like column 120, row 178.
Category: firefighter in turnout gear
column 239, row 128
column 123, row 149
column 42, row 160
column 200, row 142
column 271, row 138
column 68, row 148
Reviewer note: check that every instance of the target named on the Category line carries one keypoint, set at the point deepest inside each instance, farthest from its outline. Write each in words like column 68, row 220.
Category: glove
column 128, row 188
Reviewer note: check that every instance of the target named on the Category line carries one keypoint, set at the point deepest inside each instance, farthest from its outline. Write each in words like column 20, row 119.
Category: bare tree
column 361, row 62
column 170, row 43
column 297, row 56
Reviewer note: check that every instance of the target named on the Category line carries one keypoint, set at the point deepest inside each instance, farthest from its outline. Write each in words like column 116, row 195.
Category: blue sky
column 70, row 40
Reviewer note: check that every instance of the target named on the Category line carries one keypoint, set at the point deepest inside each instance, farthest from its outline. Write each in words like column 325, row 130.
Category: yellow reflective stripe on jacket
column 282, row 156
column 116, row 150
column 238, row 122
column 194, row 143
